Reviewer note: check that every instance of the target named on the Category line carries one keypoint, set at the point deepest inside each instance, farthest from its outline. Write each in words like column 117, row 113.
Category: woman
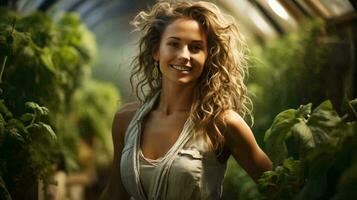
column 176, row 142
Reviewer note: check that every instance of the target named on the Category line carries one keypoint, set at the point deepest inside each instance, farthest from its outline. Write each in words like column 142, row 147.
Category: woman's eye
column 196, row 48
column 174, row 44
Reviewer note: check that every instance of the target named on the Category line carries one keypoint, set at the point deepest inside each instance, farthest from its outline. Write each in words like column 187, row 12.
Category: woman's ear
column 156, row 56
column 155, row 53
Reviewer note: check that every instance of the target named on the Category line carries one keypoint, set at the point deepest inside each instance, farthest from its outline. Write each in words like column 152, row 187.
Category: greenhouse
column 70, row 70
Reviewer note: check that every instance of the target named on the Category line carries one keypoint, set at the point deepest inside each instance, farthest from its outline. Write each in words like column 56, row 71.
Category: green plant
column 289, row 71
column 286, row 72
column 24, row 139
column 313, row 153
column 47, row 62
column 96, row 100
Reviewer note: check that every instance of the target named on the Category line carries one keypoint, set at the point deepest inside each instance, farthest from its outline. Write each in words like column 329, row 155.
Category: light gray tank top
column 147, row 171
column 188, row 170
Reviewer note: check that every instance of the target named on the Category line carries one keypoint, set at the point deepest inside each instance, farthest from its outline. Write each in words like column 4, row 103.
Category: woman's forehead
column 185, row 29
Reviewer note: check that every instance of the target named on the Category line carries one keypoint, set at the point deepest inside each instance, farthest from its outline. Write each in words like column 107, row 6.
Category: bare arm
column 243, row 146
column 115, row 189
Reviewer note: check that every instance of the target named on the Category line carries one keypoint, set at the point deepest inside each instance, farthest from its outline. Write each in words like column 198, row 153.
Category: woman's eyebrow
column 195, row 41
column 177, row 38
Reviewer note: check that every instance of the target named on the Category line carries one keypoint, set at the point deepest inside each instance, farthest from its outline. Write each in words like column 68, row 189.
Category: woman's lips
column 181, row 68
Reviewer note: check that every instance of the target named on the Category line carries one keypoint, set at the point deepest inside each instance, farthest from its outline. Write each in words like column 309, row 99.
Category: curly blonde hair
column 220, row 87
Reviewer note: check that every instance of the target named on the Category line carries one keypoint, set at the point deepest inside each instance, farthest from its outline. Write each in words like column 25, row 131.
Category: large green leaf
column 282, row 122
column 322, row 121
column 325, row 116
column 49, row 130
column 281, row 130
column 303, row 136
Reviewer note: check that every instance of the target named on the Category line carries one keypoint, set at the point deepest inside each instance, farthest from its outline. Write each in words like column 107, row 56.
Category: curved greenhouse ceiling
column 259, row 20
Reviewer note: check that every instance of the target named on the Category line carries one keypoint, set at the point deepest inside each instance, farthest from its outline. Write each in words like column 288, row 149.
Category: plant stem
column 2, row 68
column 352, row 108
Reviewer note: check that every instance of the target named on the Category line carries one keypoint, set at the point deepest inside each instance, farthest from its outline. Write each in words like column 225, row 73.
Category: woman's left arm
column 243, row 147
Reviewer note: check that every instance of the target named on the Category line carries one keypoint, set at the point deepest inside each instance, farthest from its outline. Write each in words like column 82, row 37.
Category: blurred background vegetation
column 71, row 59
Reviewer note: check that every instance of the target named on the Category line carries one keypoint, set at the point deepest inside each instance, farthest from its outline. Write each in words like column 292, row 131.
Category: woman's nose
column 184, row 53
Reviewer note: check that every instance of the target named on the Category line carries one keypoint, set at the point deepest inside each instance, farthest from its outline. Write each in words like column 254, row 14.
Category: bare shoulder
column 240, row 140
column 231, row 116
column 123, row 117
column 234, row 123
column 127, row 110
column 236, row 131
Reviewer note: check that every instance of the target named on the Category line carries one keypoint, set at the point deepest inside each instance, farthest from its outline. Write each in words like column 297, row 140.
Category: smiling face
column 182, row 51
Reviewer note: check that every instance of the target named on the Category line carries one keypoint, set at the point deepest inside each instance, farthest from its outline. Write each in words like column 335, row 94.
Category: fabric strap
column 158, row 189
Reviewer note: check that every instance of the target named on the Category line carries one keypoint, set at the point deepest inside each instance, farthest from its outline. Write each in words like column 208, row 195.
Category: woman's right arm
column 115, row 188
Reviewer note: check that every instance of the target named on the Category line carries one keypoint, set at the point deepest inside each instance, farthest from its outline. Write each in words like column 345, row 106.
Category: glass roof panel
column 279, row 14
column 245, row 12
column 338, row 7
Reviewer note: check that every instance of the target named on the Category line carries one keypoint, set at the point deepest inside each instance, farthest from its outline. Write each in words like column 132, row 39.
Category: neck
column 176, row 98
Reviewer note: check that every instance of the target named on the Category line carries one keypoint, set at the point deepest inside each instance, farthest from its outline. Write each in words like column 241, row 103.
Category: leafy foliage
column 318, row 154
column 46, row 61
column 26, row 140
column 289, row 71
column 95, row 101
column 286, row 72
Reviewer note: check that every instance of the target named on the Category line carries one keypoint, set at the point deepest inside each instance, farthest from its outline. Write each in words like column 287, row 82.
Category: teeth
column 181, row 68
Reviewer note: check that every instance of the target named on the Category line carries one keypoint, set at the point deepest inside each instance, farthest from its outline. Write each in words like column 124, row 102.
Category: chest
column 159, row 133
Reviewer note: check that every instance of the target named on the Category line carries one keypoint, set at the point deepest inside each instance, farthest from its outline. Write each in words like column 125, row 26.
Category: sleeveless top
column 147, row 171
column 187, row 171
